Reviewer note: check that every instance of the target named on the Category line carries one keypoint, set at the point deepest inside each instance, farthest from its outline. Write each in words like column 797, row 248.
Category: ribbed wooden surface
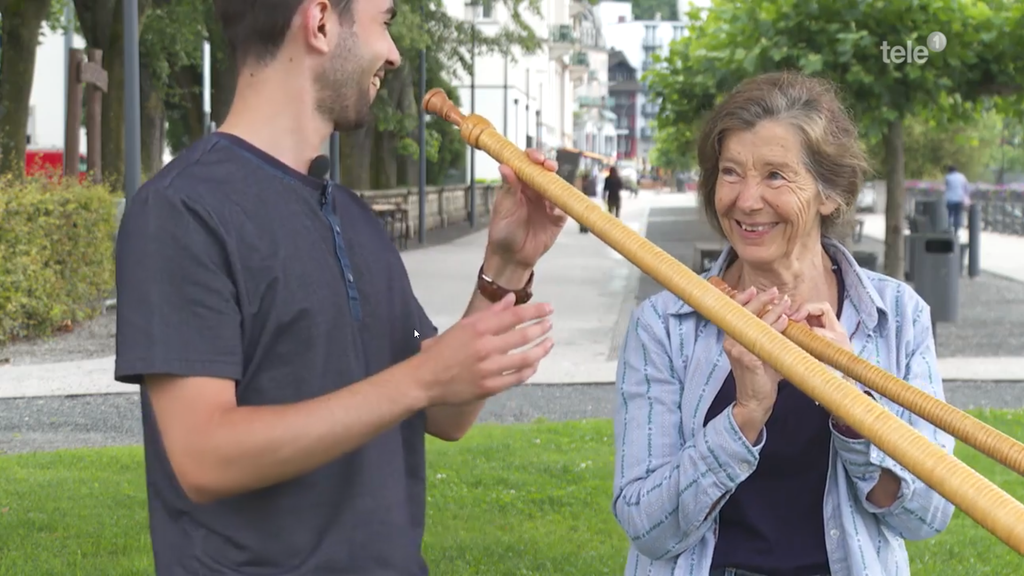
column 989, row 506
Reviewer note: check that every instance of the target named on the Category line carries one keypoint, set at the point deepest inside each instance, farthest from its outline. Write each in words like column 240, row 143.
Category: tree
column 20, row 25
column 384, row 155
column 845, row 42
column 102, row 27
column 646, row 9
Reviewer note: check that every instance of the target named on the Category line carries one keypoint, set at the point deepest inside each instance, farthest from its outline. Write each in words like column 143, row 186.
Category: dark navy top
column 230, row 264
column 773, row 524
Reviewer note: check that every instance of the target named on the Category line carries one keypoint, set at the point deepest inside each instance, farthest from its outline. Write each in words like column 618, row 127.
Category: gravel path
column 51, row 423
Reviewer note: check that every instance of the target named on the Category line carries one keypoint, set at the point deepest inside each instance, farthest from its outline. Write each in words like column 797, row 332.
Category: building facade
column 638, row 41
column 625, row 92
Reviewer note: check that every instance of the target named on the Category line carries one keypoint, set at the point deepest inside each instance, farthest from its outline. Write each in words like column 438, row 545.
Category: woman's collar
column 860, row 291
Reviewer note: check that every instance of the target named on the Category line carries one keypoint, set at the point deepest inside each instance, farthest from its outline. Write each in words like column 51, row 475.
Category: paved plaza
column 60, row 393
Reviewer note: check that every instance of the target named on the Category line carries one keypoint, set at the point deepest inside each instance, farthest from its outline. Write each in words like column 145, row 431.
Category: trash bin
column 937, row 274
column 935, row 211
column 918, row 224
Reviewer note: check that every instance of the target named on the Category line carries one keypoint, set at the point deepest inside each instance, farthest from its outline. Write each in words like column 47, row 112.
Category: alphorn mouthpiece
column 436, row 102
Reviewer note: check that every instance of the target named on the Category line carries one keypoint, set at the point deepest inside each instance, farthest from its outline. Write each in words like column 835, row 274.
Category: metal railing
column 1001, row 207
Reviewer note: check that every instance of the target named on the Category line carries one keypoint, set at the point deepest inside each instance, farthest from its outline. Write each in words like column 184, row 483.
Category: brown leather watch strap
column 490, row 289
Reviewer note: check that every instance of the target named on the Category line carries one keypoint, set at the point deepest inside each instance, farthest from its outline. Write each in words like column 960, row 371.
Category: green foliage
column 56, row 254
column 646, row 9
column 518, row 500
column 171, row 37
column 841, row 41
column 974, row 144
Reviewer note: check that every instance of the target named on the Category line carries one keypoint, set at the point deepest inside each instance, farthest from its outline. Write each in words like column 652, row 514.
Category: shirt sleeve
column 177, row 300
column 919, row 511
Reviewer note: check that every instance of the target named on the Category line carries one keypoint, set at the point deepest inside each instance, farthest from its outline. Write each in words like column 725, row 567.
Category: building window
column 487, row 9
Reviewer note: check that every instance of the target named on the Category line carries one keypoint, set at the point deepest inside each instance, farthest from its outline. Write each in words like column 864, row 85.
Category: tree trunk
column 153, row 118
column 223, row 73
column 356, row 149
column 894, row 200
column 22, row 22
column 113, row 107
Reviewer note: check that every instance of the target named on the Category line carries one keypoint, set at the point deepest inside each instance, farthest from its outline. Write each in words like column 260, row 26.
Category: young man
column 273, row 329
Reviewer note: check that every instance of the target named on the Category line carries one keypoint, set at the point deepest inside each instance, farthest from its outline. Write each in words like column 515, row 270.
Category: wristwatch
column 493, row 292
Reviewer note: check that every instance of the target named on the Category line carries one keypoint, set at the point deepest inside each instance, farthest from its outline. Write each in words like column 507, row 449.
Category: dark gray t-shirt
column 232, row 265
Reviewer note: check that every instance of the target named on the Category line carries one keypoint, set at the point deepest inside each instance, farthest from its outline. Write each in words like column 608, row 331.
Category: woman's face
column 766, row 199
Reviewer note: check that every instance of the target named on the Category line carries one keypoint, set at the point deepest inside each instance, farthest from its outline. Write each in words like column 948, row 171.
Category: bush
column 56, row 254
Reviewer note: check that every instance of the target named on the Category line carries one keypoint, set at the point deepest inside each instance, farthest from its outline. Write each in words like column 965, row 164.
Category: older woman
column 722, row 467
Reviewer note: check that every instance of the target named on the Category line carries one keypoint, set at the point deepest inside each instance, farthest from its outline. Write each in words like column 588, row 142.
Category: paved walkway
column 593, row 291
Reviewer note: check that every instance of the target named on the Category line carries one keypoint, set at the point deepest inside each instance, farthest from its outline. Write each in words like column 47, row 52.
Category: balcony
column 579, row 66
column 577, row 8
column 561, row 40
column 649, row 110
column 651, row 43
column 595, row 101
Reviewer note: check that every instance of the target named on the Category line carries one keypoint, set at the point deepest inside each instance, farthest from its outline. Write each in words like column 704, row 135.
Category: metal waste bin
column 937, row 274
column 934, row 210
column 918, row 224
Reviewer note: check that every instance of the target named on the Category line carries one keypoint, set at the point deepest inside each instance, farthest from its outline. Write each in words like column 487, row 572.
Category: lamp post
column 472, row 9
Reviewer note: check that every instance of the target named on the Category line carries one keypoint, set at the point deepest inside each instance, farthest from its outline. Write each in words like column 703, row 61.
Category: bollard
column 974, row 240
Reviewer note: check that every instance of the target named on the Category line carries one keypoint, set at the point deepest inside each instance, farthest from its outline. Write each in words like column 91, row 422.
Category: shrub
column 56, row 254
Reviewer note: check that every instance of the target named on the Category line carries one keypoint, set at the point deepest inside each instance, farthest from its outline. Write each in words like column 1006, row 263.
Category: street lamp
column 472, row 13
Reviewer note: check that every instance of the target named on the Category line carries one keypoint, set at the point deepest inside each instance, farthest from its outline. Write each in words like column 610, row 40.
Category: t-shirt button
column 336, row 229
column 349, row 277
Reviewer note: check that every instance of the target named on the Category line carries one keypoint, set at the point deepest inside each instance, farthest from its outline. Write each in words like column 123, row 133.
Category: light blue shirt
column 672, row 474
column 956, row 187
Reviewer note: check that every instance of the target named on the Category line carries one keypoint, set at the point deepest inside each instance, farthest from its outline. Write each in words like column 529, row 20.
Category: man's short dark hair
column 256, row 29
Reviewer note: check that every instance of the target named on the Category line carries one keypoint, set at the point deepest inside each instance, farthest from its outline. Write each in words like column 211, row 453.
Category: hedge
column 56, row 254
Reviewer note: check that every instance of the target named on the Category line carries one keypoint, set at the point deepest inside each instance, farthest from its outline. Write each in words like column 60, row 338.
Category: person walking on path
column 288, row 373
column 613, row 191
column 957, row 196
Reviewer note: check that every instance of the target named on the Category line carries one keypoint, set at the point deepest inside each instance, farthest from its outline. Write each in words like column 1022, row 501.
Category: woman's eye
column 774, row 175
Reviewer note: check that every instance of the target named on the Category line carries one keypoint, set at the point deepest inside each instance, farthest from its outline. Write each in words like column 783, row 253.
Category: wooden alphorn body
column 989, row 506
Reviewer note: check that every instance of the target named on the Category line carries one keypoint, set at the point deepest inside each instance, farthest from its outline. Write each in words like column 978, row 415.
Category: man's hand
column 474, row 359
column 524, row 225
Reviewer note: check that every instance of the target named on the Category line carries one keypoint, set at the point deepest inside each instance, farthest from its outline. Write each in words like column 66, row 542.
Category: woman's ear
column 828, row 205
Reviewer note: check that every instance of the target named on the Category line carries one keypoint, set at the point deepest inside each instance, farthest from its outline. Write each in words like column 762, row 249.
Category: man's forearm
column 251, row 447
column 451, row 422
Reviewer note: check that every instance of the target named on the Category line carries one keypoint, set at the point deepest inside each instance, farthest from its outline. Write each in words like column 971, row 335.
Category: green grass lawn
column 507, row 500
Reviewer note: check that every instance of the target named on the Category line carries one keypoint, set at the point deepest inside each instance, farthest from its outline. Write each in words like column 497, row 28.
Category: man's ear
column 314, row 21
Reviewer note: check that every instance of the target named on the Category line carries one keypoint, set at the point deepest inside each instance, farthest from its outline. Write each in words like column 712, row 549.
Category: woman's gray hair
column 832, row 152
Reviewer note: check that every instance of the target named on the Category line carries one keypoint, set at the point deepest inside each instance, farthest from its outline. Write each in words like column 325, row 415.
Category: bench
column 395, row 219
column 705, row 254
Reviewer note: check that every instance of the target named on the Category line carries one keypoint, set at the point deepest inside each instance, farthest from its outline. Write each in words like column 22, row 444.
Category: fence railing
column 1001, row 207
column 399, row 208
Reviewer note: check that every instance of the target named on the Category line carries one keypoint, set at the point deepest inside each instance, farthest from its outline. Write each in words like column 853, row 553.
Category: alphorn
column 959, row 424
column 977, row 497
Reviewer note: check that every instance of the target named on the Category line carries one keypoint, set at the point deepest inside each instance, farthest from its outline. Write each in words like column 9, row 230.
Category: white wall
column 535, row 80
column 47, row 103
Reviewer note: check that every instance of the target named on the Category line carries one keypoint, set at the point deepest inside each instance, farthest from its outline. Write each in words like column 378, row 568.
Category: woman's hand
column 757, row 384
column 822, row 320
